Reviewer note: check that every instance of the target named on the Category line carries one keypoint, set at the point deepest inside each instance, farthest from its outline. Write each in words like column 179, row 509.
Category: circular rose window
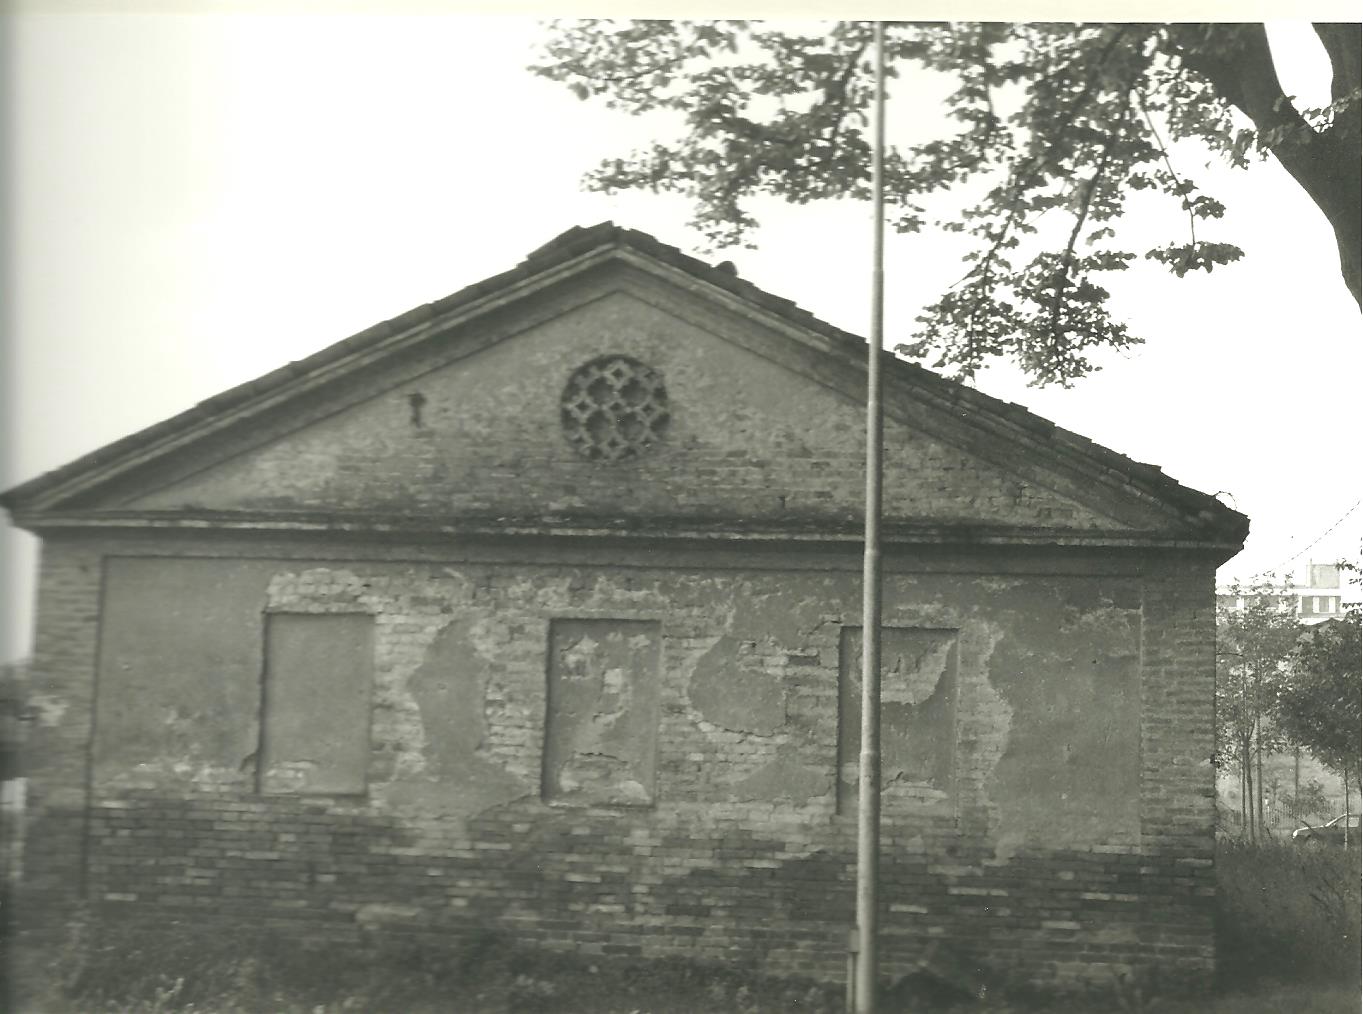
column 614, row 408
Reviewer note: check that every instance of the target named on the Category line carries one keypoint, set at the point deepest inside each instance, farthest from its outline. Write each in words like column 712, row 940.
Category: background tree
column 1308, row 800
column 1254, row 647
column 1320, row 704
column 1043, row 118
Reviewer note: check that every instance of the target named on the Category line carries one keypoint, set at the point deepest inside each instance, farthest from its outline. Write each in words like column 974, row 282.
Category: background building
column 1316, row 591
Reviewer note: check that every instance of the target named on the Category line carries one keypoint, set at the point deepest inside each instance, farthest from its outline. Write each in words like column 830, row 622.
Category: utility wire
column 1322, row 535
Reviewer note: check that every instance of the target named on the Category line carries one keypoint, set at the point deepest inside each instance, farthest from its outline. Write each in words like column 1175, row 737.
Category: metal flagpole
column 868, row 794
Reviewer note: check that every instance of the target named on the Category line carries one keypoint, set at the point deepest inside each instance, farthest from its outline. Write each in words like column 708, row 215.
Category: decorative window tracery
column 614, row 408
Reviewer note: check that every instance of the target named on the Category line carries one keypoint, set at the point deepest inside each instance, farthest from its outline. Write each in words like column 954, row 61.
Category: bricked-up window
column 601, row 722
column 917, row 710
column 314, row 721
column 614, row 408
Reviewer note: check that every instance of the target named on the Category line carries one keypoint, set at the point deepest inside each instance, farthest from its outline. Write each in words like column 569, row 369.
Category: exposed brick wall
column 61, row 697
column 709, row 886
column 1178, row 787
column 743, row 856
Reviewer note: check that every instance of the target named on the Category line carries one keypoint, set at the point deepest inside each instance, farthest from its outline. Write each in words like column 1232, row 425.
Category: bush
column 184, row 967
column 1287, row 912
column 107, row 967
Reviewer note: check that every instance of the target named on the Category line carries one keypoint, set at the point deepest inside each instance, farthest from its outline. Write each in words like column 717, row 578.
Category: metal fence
column 1281, row 817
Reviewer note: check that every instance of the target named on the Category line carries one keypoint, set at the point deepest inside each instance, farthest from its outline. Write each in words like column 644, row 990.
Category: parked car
column 1331, row 832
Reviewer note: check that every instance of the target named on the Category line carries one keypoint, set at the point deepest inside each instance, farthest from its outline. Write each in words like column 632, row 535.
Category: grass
column 1289, row 912
column 150, row 973
column 1287, row 935
column 1282, row 999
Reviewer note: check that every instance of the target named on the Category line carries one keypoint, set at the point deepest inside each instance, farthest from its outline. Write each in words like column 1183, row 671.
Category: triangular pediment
column 609, row 382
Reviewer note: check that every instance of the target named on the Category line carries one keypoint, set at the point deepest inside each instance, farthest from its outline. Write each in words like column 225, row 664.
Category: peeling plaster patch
column 919, row 690
column 449, row 691
column 1069, row 669
column 914, row 667
column 290, row 777
column 773, row 616
column 1110, row 624
column 756, row 689
column 13, row 795
column 730, row 691
column 511, row 646
column 410, row 606
column 738, row 683
column 319, row 590
column 379, row 914
column 614, row 590
column 179, row 741
column 46, row 709
column 162, row 770
column 601, row 741
column 1008, row 844
column 787, row 777
column 984, row 717
column 549, row 595
column 998, row 584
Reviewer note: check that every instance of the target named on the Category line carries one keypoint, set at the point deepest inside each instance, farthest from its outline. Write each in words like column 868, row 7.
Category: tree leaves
column 1053, row 121
column 1254, row 648
column 1185, row 257
column 1320, row 705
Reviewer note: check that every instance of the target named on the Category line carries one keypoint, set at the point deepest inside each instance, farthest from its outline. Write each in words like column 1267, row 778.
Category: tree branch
column 1168, row 163
column 1079, row 219
column 1237, row 61
column 839, row 89
column 1344, row 46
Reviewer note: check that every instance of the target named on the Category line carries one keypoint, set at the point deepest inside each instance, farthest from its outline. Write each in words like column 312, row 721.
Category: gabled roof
column 1202, row 517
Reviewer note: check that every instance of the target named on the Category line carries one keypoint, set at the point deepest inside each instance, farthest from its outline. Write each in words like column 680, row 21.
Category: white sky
column 194, row 200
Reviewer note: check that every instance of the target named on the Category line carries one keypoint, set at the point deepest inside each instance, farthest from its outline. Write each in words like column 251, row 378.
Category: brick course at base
column 700, row 889
column 712, row 870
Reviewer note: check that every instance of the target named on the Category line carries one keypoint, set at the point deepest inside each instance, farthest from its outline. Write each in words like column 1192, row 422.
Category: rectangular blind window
column 319, row 670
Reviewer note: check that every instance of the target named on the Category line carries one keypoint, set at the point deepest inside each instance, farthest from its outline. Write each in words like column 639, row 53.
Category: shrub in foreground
column 105, row 968
column 1288, row 912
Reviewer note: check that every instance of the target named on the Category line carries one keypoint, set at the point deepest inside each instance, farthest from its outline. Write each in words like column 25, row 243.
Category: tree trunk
column 1259, row 768
column 1244, row 799
column 1327, row 163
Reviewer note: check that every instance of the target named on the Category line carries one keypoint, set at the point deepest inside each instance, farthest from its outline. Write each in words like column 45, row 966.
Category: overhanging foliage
column 1043, row 118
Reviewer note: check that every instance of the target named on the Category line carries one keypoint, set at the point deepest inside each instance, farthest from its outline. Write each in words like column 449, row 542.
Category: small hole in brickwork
column 417, row 401
column 614, row 408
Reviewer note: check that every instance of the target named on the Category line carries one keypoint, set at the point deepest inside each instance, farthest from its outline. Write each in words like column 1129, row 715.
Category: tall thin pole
column 868, row 795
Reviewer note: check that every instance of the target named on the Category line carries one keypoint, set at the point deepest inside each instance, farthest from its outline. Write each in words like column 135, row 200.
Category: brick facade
column 606, row 705
column 742, row 855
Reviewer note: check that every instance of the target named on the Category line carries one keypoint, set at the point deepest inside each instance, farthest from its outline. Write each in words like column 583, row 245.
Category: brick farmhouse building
column 537, row 610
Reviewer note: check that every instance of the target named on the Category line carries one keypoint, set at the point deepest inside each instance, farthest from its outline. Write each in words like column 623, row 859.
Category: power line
column 1322, row 535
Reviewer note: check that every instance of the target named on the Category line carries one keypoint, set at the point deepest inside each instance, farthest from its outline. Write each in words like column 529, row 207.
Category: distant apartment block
column 1317, row 594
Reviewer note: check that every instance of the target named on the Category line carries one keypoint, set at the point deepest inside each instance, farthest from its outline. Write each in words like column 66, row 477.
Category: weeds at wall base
column 105, row 968
column 1287, row 926
column 1287, row 912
